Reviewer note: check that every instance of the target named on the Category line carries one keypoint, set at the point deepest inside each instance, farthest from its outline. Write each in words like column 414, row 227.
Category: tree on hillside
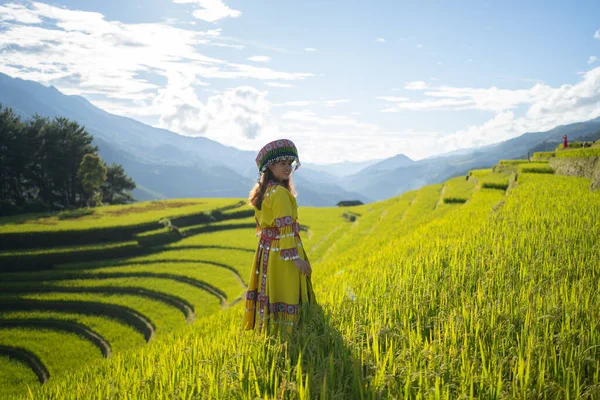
column 63, row 146
column 117, row 186
column 92, row 175
column 11, row 169
column 40, row 162
column 60, row 146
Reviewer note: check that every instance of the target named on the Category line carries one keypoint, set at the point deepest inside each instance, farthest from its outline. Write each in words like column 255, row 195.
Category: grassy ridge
column 586, row 152
column 220, row 259
column 74, row 351
column 496, row 298
column 493, row 298
column 490, row 180
column 121, row 337
column 536, row 168
column 110, row 216
column 165, row 318
column 15, row 378
column 457, row 190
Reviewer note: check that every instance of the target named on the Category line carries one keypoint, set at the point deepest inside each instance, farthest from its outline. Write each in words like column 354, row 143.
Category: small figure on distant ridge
column 279, row 288
column 565, row 143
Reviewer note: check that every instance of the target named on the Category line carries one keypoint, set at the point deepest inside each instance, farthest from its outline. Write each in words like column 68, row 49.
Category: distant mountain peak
column 401, row 156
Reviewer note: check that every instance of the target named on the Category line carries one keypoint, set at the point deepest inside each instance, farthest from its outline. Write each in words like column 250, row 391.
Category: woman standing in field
column 279, row 285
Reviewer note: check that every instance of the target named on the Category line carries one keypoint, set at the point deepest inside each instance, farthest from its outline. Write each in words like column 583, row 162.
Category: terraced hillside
column 60, row 310
column 121, row 277
column 484, row 286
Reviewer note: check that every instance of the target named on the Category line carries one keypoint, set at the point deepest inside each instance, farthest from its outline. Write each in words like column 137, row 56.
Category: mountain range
column 162, row 163
column 168, row 165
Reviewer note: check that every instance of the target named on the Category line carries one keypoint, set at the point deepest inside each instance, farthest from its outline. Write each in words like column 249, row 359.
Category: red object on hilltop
column 565, row 144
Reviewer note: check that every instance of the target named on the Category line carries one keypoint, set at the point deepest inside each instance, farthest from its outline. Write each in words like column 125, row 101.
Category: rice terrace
column 483, row 286
column 297, row 200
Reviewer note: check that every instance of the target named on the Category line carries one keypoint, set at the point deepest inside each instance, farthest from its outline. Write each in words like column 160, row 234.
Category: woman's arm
column 283, row 216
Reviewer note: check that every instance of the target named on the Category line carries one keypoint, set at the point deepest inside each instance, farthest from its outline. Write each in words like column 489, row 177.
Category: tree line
column 51, row 164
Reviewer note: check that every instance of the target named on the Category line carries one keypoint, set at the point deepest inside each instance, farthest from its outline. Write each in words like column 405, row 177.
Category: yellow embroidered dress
column 276, row 289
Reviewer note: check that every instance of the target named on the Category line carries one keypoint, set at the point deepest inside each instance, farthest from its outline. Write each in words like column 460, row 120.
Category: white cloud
column 279, row 85
column 231, row 46
column 502, row 126
column 313, row 118
column 295, row 103
column 234, row 114
column 548, row 107
column 310, row 49
column 592, row 59
column 597, row 34
column 211, row 10
column 342, row 138
column 260, row 59
column 305, row 103
column 82, row 53
column 242, row 116
column 420, row 46
column 18, row 13
column 380, row 40
column 455, row 98
column 415, row 85
column 333, row 103
column 341, row 135
column 393, row 99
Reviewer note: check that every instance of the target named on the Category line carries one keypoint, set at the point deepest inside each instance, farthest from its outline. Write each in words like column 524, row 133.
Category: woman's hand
column 303, row 266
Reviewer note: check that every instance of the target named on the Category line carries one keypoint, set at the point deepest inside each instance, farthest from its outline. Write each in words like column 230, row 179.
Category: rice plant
column 495, row 298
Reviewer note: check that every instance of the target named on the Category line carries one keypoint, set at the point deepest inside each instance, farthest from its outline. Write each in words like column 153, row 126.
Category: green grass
column 202, row 302
column 571, row 145
column 67, row 250
column 536, row 168
column 479, row 173
column 499, row 181
column 495, row 298
column 544, row 154
column 59, row 352
column 111, row 216
column 586, row 152
column 327, row 226
column 15, row 378
column 164, row 317
column 457, row 190
column 512, row 162
column 227, row 262
column 121, row 337
column 242, row 238
column 189, row 263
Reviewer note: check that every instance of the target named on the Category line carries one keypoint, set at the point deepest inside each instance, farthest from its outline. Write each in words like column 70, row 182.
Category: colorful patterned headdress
column 277, row 150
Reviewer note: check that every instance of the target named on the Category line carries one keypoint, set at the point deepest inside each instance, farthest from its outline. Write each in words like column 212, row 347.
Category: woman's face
column 282, row 170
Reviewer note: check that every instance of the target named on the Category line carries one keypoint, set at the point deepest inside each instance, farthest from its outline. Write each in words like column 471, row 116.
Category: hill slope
column 480, row 299
column 382, row 183
column 162, row 163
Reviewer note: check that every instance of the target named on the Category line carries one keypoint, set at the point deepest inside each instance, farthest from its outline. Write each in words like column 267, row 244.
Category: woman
column 279, row 285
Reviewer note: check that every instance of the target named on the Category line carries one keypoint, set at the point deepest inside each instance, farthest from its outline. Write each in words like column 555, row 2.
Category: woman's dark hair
column 258, row 191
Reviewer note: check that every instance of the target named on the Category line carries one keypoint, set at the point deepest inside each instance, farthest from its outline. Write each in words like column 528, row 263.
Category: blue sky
column 346, row 80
